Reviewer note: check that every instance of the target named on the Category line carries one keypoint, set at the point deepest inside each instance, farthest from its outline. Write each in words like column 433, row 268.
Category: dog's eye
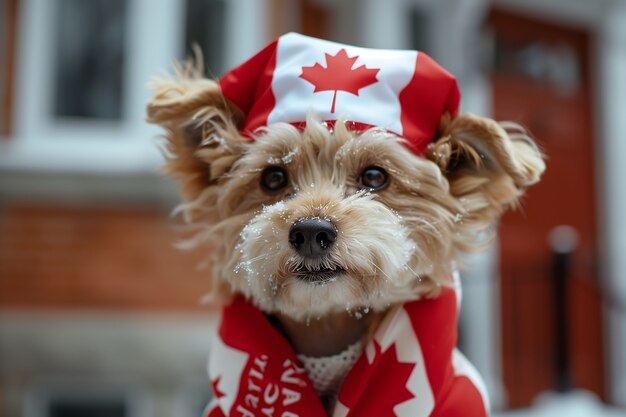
column 374, row 178
column 273, row 179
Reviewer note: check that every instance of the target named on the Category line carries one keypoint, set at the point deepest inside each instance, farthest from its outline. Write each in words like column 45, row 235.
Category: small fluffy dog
column 335, row 233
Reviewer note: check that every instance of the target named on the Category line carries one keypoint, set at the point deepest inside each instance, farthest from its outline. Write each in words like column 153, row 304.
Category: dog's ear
column 488, row 165
column 202, row 130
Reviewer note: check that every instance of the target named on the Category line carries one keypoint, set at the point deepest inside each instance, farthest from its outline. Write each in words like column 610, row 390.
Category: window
column 60, row 407
column 204, row 26
column 61, row 397
column 90, row 53
column 555, row 66
column 8, row 12
column 420, row 30
column 84, row 67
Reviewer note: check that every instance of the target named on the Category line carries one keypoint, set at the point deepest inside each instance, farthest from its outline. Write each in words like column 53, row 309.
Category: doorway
column 552, row 335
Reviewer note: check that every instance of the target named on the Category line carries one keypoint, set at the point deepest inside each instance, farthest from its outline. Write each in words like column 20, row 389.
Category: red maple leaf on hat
column 339, row 75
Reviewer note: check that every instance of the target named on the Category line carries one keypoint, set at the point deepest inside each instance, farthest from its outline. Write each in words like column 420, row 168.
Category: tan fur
column 395, row 245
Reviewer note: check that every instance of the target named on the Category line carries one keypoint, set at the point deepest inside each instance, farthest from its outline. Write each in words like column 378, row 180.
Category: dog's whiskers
column 381, row 271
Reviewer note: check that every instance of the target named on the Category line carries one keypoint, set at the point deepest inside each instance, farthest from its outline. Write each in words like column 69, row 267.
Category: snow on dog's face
column 315, row 221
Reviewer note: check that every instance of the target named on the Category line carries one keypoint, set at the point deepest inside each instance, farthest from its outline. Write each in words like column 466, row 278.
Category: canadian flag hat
column 405, row 92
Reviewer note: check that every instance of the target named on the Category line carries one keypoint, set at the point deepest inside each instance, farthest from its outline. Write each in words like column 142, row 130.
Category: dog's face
column 333, row 220
column 311, row 222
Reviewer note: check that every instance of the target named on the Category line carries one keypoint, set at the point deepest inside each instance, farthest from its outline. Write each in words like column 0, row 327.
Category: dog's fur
column 394, row 245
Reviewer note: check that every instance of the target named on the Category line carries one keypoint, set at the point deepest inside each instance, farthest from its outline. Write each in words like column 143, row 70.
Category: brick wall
column 104, row 258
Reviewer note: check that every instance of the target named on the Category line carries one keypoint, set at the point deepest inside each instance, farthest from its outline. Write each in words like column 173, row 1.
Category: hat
column 405, row 92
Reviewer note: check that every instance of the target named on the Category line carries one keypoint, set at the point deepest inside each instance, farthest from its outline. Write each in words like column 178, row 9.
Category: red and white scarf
column 410, row 368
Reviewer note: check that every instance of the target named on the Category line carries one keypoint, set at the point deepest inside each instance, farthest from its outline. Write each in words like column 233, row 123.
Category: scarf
column 410, row 368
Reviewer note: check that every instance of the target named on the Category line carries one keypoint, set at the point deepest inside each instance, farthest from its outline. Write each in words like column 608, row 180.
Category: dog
column 334, row 236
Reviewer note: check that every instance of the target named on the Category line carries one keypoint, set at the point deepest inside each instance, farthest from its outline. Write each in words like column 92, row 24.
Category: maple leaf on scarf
column 376, row 388
column 339, row 75
column 215, row 385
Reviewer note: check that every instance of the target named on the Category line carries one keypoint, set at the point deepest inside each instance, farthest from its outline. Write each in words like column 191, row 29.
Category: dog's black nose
column 312, row 237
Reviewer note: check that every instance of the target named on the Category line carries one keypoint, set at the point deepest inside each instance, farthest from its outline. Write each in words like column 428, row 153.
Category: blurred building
column 100, row 315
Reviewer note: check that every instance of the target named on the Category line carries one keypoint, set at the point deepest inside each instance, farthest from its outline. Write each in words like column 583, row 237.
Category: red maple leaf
column 378, row 387
column 216, row 391
column 339, row 75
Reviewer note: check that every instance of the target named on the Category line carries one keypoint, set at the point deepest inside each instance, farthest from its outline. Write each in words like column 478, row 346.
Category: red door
column 541, row 79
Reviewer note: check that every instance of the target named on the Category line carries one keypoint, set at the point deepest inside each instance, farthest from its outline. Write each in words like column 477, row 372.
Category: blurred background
column 100, row 315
